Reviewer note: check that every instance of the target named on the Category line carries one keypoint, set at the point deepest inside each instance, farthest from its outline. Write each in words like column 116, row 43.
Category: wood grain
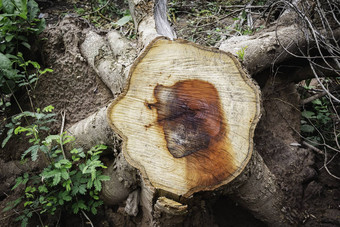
column 187, row 117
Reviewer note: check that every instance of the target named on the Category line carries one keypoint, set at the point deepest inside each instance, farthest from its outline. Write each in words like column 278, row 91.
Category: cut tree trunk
column 187, row 117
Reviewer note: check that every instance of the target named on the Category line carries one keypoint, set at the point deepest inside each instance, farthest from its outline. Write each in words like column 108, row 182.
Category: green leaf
column 94, row 210
column 24, row 222
column 64, row 195
column 18, row 181
column 64, row 174
column 48, row 174
column 20, row 130
column 82, row 189
column 103, row 178
column 21, row 5
column 99, row 178
column 122, row 21
column 75, row 190
column 30, row 189
column 12, row 204
column 56, row 179
column 34, row 152
column 97, row 185
column 74, row 151
column 82, row 205
column 48, row 109
column 89, row 184
column 41, row 26
column 45, row 71
column 67, row 198
column 9, row 135
column 61, row 202
column 33, row 10
column 65, row 163
column 84, row 170
column 307, row 128
column 44, row 149
column 48, row 140
column 95, row 205
column 42, row 189
column 308, row 114
column 7, row 6
column 34, row 64
column 31, row 81
column 95, row 197
column 27, row 203
column 79, row 205
column 99, row 147
column 27, row 45
column 8, row 38
column 67, row 139
column 44, row 128
column 317, row 102
column 75, row 208
column 24, row 114
column 81, row 154
column 67, row 185
column 5, row 62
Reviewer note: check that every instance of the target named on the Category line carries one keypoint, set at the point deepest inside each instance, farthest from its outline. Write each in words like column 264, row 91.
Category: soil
column 312, row 195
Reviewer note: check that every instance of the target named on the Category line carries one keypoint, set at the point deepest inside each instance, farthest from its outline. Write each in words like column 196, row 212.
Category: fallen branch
column 317, row 96
column 312, row 147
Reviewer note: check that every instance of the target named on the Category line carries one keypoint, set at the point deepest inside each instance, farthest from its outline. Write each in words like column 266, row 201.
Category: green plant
column 241, row 53
column 40, row 118
column 18, row 23
column 316, row 123
column 124, row 20
column 69, row 184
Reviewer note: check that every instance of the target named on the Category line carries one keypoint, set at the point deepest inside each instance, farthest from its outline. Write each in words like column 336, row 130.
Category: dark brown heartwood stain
column 190, row 114
column 194, row 128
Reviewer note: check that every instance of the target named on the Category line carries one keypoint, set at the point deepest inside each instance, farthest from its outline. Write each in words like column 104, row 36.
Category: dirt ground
column 313, row 196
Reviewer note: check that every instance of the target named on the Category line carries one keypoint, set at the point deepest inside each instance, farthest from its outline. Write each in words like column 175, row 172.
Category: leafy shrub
column 316, row 123
column 18, row 22
column 71, row 184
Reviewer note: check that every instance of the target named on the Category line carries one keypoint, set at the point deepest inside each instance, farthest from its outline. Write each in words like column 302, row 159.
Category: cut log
column 187, row 117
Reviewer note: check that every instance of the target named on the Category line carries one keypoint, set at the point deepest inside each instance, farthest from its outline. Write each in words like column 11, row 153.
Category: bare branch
column 314, row 97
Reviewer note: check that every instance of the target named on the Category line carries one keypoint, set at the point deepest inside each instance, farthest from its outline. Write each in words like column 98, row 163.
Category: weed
column 241, row 53
column 18, row 22
column 316, row 119
column 71, row 184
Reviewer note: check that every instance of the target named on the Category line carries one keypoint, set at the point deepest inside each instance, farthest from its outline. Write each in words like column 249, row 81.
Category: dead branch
column 312, row 147
column 317, row 96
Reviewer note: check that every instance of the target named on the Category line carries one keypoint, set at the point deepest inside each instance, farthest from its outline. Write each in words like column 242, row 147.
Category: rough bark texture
column 256, row 189
column 275, row 136
column 110, row 59
column 93, row 130
column 264, row 50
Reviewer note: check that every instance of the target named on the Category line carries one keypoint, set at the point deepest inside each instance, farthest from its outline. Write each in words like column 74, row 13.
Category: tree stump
column 187, row 116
